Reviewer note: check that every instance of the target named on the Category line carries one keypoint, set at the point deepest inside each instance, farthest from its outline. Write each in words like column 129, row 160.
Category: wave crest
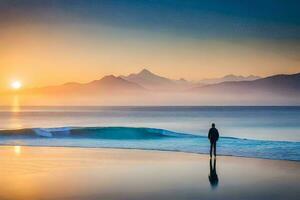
column 117, row 133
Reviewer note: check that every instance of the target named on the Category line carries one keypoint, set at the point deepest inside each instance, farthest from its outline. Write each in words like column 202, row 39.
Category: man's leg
column 211, row 147
column 215, row 148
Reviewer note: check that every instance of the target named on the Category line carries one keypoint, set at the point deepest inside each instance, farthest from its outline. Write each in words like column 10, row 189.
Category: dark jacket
column 213, row 134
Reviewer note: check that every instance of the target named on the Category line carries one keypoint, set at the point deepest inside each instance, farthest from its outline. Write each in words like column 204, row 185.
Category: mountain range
column 147, row 88
column 279, row 89
column 144, row 80
column 108, row 85
column 152, row 81
column 280, row 84
column 229, row 78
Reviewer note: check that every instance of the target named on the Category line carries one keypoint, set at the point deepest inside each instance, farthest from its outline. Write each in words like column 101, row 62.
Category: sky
column 51, row 42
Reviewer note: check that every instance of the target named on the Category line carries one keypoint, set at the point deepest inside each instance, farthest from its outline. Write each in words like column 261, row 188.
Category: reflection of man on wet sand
column 213, row 176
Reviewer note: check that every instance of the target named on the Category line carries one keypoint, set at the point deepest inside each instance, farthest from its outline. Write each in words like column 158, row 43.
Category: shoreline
column 153, row 150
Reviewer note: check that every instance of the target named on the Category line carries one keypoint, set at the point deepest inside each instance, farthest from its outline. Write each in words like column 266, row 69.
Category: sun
column 16, row 85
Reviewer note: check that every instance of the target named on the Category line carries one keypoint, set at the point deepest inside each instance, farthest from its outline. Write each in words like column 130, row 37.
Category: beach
column 127, row 100
column 97, row 173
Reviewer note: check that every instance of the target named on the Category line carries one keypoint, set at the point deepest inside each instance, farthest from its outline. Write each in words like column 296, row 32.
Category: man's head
column 213, row 125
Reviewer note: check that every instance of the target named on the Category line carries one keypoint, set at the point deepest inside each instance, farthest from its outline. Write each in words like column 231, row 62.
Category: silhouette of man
column 213, row 176
column 213, row 136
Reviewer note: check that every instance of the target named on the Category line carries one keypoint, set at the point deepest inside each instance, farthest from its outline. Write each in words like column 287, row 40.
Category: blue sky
column 262, row 19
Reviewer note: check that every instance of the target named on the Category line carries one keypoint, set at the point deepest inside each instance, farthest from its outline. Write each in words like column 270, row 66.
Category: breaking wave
column 117, row 133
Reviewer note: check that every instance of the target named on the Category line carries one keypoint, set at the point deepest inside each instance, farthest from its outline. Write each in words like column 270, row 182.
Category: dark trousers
column 213, row 145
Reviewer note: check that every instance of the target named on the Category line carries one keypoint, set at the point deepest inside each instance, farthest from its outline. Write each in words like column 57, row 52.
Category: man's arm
column 217, row 132
column 209, row 134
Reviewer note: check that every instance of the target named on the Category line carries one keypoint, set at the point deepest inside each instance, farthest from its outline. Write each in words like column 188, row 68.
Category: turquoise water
column 263, row 132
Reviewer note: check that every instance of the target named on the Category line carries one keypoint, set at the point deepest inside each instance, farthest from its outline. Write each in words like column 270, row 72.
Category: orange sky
column 41, row 55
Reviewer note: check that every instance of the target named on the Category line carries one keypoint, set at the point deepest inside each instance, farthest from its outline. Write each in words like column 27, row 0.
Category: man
column 213, row 136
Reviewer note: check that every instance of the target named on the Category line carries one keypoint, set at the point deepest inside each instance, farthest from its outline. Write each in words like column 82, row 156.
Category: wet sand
column 82, row 173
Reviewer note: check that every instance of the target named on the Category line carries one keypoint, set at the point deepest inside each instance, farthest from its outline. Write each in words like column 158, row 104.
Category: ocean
column 270, row 132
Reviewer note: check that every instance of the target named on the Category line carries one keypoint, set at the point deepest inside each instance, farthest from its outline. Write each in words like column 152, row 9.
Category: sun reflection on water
column 15, row 104
column 15, row 112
